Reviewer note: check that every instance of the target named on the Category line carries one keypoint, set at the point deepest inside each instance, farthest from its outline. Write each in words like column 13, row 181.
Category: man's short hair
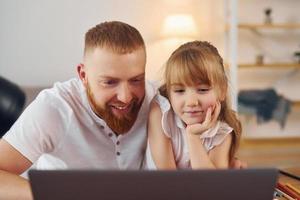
column 114, row 35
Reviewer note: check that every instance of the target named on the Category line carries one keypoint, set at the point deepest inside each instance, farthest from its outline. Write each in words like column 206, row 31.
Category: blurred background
column 41, row 42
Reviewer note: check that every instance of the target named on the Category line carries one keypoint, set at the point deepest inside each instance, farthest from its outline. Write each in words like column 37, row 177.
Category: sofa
column 12, row 102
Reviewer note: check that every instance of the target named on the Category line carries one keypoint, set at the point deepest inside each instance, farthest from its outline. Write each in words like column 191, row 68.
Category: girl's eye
column 203, row 89
column 179, row 90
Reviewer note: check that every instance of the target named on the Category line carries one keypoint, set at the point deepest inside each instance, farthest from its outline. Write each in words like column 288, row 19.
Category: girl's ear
column 222, row 95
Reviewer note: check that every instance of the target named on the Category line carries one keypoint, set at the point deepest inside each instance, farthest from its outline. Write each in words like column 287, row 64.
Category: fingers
column 210, row 120
column 216, row 112
column 238, row 164
column 196, row 129
column 212, row 115
column 244, row 165
column 208, row 116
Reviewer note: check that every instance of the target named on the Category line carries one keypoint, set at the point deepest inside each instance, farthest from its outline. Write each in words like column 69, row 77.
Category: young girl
column 191, row 123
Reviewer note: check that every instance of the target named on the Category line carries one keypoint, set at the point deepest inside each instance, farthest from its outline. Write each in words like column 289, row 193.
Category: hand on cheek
column 210, row 120
column 216, row 109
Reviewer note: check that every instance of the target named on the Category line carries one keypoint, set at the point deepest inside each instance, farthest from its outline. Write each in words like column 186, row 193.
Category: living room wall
column 42, row 41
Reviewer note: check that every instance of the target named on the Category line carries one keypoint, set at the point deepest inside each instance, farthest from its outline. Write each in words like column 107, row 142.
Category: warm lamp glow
column 179, row 26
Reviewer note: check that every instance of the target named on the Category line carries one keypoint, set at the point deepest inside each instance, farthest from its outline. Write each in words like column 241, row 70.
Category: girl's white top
column 174, row 129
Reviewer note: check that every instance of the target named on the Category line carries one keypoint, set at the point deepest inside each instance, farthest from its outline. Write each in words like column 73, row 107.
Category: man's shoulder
column 73, row 85
column 63, row 97
column 62, row 91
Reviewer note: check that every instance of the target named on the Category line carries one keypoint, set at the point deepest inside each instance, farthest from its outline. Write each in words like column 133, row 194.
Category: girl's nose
column 192, row 100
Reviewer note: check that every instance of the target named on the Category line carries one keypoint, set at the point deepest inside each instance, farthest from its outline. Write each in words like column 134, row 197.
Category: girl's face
column 190, row 103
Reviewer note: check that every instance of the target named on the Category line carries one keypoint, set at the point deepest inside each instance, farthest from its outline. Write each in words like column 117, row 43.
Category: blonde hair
column 199, row 61
column 116, row 36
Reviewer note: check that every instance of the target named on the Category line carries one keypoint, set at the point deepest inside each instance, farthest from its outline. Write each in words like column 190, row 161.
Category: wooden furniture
column 269, row 26
column 289, row 181
column 244, row 29
column 270, row 65
column 261, row 27
column 286, row 179
column 279, row 153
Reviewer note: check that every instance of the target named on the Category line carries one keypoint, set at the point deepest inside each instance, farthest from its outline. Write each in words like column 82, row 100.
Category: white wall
column 42, row 41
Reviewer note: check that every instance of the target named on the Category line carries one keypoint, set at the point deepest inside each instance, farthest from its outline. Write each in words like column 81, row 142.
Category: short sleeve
column 38, row 130
column 167, row 120
column 216, row 135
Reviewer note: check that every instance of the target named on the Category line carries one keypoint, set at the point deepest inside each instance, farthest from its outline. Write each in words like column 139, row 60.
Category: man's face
column 115, row 85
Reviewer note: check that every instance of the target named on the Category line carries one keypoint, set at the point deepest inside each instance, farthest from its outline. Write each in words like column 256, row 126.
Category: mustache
column 122, row 124
column 130, row 105
column 121, row 104
column 118, row 124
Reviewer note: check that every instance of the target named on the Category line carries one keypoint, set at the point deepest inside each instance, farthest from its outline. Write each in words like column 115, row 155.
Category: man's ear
column 82, row 73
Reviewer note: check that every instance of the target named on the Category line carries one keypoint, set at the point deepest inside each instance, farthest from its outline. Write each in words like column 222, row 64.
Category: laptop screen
column 243, row 184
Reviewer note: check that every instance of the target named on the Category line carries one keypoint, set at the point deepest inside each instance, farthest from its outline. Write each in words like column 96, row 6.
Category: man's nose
column 124, row 94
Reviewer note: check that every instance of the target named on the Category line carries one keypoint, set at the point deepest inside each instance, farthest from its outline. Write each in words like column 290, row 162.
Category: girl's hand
column 210, row 120
column 238, row 164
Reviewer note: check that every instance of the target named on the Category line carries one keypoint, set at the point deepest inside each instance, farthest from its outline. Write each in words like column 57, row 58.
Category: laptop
column 246, row 184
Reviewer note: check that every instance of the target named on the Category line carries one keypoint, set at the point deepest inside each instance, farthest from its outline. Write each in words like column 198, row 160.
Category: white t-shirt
column 59, row 130
column 174, row 129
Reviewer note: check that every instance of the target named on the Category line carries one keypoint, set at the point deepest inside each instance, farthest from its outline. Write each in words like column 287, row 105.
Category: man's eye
column 137, row 80
column 109, row 82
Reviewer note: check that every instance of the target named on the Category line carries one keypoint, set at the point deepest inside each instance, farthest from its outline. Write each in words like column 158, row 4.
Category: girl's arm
column 217, row 157
column 198, row 155
column 160, row 145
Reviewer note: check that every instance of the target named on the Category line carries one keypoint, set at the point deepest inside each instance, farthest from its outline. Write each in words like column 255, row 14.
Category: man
column 96, row 121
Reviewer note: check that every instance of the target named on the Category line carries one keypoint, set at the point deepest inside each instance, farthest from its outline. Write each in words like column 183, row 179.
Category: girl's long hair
column 200, row 61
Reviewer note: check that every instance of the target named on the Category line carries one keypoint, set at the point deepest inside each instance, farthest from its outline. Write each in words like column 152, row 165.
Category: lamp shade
column 180, row 25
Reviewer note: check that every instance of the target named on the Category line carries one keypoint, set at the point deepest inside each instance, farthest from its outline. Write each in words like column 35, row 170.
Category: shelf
column 269, row 26
column 262, row 37
column 275, row 65
column 296, row 104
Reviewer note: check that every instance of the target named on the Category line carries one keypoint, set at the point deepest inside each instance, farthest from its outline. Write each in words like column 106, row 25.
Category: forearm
column 13, row 187
column 198, row 155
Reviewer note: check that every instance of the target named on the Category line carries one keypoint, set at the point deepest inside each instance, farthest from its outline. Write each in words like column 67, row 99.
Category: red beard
column 119, row 125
